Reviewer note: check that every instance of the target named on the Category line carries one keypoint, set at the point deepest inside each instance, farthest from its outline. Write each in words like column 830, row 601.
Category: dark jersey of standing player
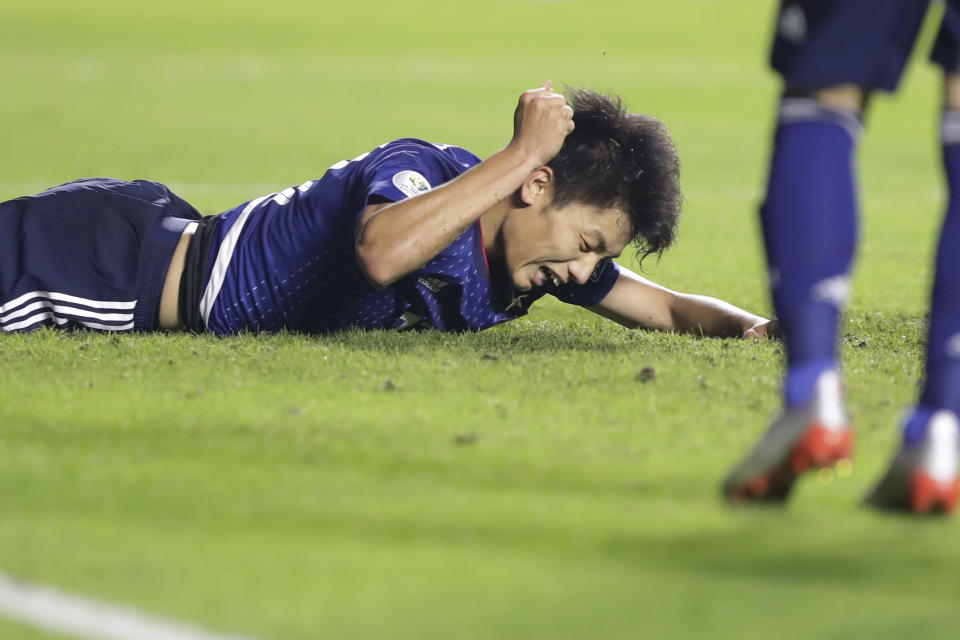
column 288, row 260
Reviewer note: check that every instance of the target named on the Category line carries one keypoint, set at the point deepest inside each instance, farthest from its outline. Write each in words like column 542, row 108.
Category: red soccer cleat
column 816, row 436
column 922, row 478
column 929, row 495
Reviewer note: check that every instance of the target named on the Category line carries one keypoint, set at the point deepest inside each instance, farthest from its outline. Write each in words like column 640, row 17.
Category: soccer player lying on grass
column 412, row 234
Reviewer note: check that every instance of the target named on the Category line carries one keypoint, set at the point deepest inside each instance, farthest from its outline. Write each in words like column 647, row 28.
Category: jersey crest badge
column 410, row 183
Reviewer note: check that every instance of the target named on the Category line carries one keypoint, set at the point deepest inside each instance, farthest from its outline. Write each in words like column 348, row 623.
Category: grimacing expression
column 549, row 246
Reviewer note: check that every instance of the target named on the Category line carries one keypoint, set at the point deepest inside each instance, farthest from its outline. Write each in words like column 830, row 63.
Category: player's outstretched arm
column 394, row 239
column 636, row 302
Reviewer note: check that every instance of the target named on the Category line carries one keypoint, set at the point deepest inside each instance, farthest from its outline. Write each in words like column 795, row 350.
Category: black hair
column 618, row 159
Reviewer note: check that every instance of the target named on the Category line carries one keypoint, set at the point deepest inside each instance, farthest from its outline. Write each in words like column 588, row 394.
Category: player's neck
column 490, row 224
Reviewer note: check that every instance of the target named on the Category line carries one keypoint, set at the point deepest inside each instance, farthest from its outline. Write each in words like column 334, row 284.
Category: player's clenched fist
column 542, row 121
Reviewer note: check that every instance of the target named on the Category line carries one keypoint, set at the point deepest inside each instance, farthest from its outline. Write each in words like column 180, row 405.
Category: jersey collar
column 480, row 252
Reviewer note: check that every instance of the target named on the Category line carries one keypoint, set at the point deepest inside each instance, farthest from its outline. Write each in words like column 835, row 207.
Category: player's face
column 544, row 247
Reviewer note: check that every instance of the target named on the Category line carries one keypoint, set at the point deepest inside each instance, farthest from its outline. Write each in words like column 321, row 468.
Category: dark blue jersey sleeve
column 594, row 290
column 406, row 168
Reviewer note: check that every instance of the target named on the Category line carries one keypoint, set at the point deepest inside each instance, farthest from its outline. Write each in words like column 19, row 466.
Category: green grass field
column 519, row 483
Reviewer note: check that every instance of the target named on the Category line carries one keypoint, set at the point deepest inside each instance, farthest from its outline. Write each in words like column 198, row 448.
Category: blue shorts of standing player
column 411, row 234
column 831, row 55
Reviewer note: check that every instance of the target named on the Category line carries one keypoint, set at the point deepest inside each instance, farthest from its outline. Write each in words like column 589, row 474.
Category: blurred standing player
column 832, row 54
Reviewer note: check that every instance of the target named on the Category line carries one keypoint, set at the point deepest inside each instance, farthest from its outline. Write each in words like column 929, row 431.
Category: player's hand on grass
column 763, row 330
column 542, row 121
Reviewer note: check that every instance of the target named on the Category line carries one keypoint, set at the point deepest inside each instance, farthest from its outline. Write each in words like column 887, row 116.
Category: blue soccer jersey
column 288, row 260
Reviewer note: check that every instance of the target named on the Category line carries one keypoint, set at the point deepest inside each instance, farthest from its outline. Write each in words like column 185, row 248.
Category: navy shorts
column 823, row 43
column 88, row 254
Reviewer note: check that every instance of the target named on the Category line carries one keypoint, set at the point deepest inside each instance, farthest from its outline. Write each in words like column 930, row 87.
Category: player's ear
column 537, row 186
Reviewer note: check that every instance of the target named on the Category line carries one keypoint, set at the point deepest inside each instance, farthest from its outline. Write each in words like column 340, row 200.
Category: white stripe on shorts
column 62, row 297
column 65, row 309
column 35, row 307
column 46, row 315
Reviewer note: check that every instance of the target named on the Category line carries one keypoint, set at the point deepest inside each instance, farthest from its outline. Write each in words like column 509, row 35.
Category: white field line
column 59, row 612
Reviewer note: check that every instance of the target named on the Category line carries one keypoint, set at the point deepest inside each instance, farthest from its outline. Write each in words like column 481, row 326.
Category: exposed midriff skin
column 170, row 296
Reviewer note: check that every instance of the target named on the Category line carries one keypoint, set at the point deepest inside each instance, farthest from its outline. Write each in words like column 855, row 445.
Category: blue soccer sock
column 941, row 388
column 810, row 231
column 915, row 424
